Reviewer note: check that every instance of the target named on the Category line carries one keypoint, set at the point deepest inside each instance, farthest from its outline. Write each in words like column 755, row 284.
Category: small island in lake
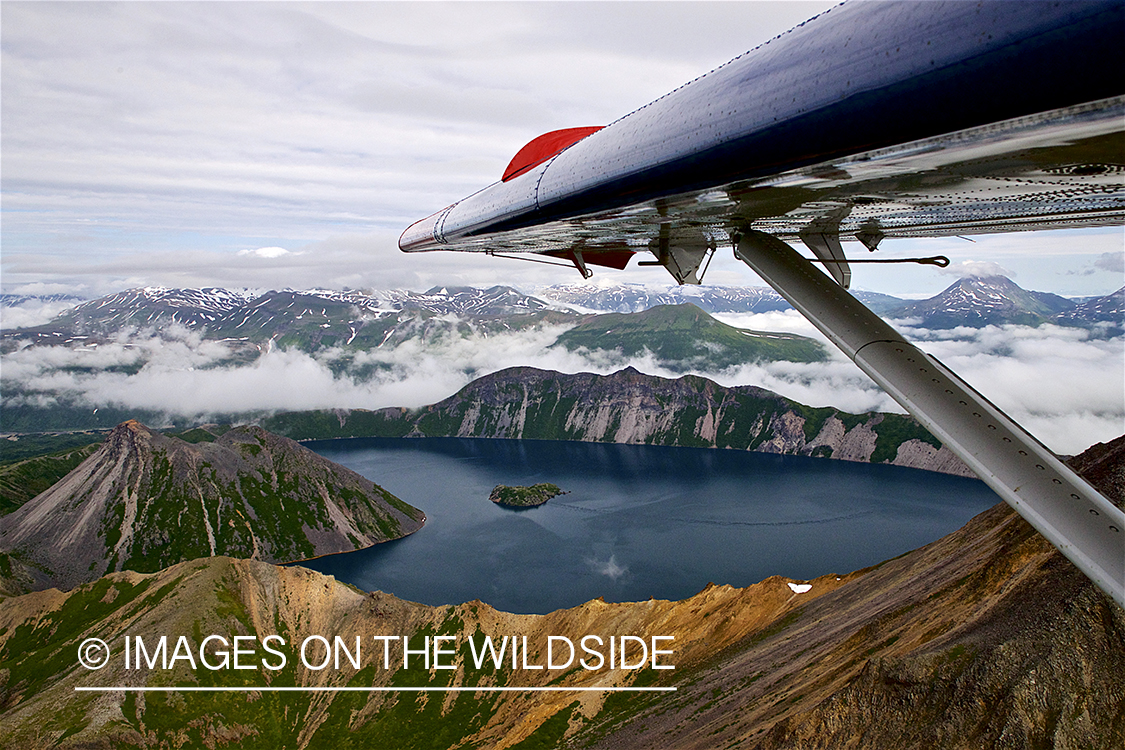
column 524, row 497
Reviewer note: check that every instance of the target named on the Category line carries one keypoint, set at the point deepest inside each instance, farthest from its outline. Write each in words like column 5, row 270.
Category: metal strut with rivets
column 1078, row 520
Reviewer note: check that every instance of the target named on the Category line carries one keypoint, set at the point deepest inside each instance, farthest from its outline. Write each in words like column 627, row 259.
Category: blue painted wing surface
column 898, row 118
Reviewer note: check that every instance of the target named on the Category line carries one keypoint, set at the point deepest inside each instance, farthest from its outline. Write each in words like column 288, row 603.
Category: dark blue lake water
column 638, row 522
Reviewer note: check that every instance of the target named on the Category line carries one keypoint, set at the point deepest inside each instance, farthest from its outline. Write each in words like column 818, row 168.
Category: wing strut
column 1085, row 526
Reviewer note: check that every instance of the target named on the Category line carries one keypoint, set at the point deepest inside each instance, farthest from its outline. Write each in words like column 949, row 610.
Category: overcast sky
column 289, row 144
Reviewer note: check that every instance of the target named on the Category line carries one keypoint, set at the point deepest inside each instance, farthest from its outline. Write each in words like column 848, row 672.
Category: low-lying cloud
column 975, row 269
column 32, row 312
column 1066, row 387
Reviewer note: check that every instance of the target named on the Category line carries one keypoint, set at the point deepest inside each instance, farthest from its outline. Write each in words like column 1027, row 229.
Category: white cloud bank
column 32, row 312
column 267, row 252
column 975, row 269
column 1065, row 387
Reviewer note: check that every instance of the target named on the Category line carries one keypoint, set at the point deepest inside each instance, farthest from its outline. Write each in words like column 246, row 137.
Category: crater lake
column 637, row 521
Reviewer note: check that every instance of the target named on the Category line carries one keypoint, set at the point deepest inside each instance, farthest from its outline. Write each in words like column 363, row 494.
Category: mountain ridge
column 143, row 501
column 981, row 301
column 307, row 319
column 996, row 298
column 628, row 406
column 684, row 337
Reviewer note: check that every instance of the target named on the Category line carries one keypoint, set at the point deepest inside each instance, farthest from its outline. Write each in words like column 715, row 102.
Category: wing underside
column 1060, row 169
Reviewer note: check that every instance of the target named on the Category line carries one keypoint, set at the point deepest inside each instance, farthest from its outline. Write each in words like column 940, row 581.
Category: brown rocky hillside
column 986, row 638
column 144, row 501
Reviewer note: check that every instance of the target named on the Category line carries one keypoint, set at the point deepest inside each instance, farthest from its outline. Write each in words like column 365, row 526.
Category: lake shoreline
column 639, row 522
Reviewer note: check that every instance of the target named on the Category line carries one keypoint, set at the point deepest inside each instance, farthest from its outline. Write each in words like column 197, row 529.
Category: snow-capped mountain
column 1108, row 309
column 978, row 302
column 14, row 300
column 713, row 299
column 307, row 319
column 322, row 317
column 631, row 298
column 497, row 300
column 161, row 305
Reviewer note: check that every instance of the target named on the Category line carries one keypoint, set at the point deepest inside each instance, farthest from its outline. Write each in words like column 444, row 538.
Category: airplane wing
column 872, row 120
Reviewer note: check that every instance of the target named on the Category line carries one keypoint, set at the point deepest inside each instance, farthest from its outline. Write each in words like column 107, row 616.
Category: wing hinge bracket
column 826, row 246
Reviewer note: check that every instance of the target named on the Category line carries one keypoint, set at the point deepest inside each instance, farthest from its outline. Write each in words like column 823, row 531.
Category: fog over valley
column 1064, row 383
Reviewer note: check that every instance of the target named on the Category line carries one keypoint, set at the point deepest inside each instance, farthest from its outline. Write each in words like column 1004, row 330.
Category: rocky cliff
column 144, row 501
column 631, row 407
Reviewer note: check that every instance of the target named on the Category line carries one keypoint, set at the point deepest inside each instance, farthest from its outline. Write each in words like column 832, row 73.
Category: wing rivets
column 1092, row 511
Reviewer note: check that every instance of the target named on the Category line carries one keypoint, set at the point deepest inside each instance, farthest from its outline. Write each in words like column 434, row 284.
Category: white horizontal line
column 467, row 689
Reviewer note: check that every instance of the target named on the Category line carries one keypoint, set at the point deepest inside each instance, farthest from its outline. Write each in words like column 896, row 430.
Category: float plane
column 875, row 120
